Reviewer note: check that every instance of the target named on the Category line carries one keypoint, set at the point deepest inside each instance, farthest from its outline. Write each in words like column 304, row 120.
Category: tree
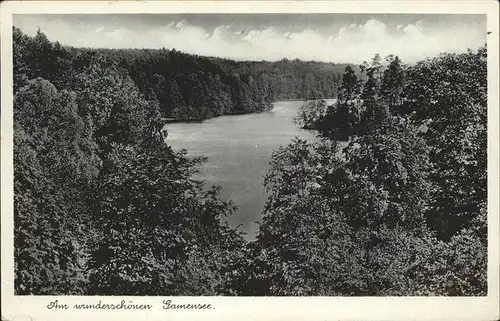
column 174, row 102
column 391, row 163
column 21, row 70
column 111, row 99
column 393, row 82
column 353, row 223
column 309, row 87
column 311, row 115
column 298, row 224
column 340, row 120
column 348, row 89
column 55, row 162
column 161, row 234
column 375, row 111
column 447, row 96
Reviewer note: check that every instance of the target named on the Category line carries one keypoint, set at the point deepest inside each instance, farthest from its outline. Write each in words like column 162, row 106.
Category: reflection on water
column 239, row 149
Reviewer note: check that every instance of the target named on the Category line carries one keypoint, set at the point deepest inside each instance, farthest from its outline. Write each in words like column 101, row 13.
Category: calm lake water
column 239, row 149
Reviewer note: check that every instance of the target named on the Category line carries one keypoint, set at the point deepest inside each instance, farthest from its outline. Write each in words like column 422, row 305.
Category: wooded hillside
column 185, row 86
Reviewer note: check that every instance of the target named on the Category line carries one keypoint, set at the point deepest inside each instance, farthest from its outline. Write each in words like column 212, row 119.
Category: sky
column 338, row 38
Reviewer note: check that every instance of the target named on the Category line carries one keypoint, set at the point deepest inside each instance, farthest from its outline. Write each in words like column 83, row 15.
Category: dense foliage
column 390, row 201
column 291, row 79
column 102, row 205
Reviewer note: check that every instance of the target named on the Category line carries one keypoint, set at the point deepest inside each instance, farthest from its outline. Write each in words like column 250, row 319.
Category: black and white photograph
column 250, row 154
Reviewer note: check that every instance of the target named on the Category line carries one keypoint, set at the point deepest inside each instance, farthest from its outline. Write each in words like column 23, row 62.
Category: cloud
column 412, row 42
column 119, row 35
column 351, row 42
column 224, row 33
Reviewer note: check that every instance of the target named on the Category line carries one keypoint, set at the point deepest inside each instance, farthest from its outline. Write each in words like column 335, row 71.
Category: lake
column 239, row 148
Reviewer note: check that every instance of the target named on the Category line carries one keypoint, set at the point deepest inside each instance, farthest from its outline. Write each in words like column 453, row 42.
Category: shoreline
column 169, row 120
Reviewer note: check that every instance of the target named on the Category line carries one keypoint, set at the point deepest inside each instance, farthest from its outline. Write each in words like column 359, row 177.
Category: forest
column 186, row 87
column 391, row 200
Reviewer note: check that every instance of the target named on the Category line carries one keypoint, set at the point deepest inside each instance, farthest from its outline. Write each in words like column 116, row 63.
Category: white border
column 250, row 308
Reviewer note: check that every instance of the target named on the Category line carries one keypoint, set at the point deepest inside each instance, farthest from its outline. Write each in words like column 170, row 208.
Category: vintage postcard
column 223, row 160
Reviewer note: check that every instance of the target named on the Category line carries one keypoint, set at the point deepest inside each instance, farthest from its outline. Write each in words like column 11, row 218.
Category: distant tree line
column 185, row 86
column 391, row 200
column 292, row 79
